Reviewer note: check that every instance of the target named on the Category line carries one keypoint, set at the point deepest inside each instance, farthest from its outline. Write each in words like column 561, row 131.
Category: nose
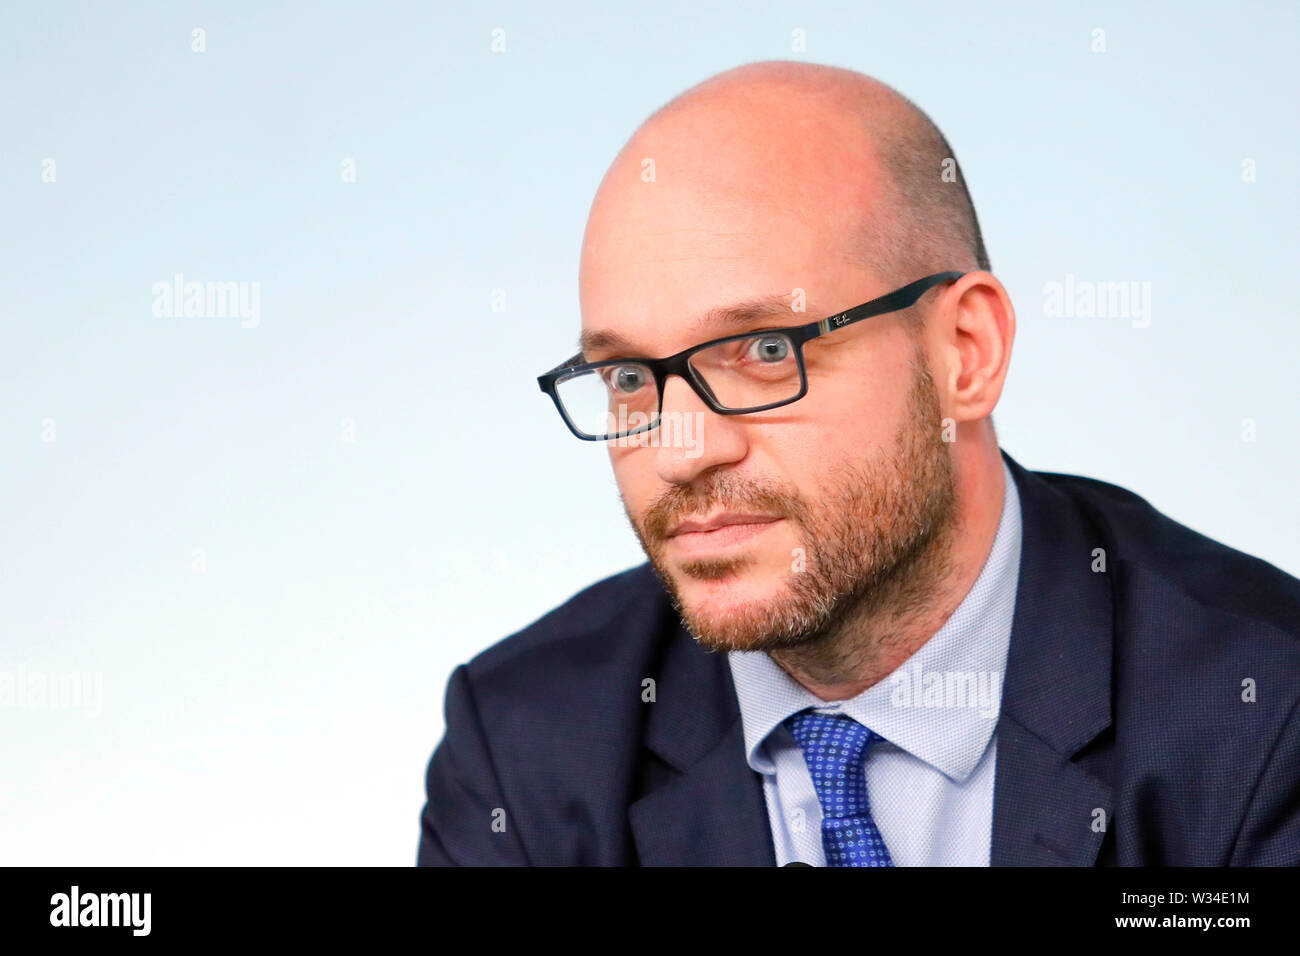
column 693, row 438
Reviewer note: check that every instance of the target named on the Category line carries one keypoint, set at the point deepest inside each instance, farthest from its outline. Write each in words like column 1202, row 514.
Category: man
column 865, row 636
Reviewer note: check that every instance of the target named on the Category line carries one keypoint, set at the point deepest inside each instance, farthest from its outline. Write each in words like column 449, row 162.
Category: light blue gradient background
column 281, row 706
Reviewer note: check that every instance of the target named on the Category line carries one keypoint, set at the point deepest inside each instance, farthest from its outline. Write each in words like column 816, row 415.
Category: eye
column 626, row 378
column 770, row 349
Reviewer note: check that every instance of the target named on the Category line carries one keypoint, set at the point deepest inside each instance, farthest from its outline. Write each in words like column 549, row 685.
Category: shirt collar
column 941, row 704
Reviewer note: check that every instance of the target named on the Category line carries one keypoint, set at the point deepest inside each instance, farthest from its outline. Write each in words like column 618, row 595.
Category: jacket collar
column 1056, row 693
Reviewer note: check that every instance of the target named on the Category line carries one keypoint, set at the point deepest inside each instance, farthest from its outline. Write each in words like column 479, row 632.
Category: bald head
column 841, row 160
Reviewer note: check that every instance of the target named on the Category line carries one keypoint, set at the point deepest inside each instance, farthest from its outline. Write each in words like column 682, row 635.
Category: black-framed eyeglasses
column 736, row 375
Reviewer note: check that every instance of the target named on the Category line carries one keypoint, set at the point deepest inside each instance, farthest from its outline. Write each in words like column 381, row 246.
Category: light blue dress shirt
column 930, row 781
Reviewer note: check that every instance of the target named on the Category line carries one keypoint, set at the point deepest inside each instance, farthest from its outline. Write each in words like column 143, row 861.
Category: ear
column 976, row 325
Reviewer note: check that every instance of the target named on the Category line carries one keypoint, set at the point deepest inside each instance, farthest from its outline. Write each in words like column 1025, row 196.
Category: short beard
column 876, row 546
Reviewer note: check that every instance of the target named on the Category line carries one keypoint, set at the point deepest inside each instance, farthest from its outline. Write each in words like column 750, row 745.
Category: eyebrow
column 719, row 320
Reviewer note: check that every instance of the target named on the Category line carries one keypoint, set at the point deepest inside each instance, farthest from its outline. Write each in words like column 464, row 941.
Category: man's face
column 846, row 530
column 802, row 513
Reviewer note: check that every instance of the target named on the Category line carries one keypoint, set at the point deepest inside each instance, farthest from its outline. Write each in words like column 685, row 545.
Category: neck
column 891, row 623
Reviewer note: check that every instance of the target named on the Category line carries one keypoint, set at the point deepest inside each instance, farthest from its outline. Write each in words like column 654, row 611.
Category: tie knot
column 836, row 737
column 834, row 746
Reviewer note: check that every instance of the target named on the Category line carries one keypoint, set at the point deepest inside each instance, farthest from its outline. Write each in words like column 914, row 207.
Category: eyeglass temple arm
column 892, row 302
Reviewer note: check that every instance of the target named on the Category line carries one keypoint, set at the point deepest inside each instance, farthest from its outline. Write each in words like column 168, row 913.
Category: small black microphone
column 795, row 863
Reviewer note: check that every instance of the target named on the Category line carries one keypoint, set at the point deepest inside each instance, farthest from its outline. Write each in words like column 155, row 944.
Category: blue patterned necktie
column 834, row 746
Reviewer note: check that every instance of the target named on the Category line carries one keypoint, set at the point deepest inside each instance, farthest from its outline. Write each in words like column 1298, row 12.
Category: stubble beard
column 875, row 547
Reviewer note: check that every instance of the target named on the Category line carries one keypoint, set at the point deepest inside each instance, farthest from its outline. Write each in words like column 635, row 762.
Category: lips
column 725, row 520
column 718, row 537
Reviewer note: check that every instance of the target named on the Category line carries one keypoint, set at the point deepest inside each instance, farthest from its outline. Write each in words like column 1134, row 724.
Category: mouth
column 703, row 537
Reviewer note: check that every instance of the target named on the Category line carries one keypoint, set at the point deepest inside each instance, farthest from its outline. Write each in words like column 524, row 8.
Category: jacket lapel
column 712, row 812
column 1048, row 810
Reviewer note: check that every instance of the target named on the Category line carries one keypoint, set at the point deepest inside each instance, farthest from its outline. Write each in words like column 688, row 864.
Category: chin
column 736, row 611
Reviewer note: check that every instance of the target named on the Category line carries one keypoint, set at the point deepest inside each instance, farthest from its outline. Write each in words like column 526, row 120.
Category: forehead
column 665, row 278
column 715, row 207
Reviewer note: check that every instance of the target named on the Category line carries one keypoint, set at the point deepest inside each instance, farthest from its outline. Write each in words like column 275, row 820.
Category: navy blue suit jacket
column 1124, row 738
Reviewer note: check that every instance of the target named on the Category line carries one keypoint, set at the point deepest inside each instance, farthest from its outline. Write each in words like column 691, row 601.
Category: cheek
column 637, row 482
column 846, row 416
column 843, row 423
